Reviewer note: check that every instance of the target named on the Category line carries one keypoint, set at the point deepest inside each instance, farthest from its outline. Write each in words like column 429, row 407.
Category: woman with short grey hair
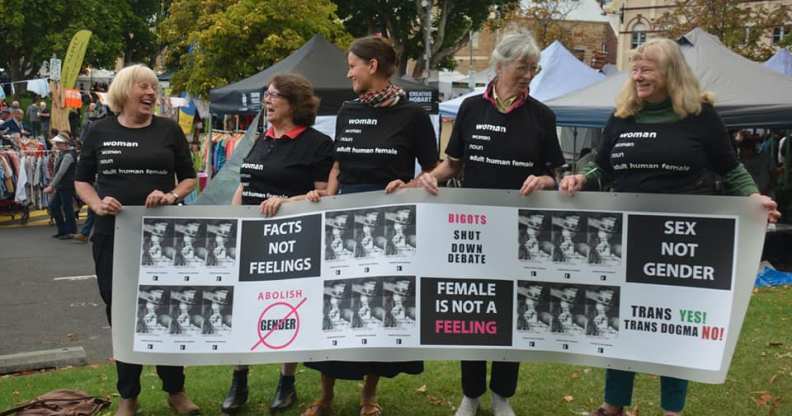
column 504, row 139
column 519, row 46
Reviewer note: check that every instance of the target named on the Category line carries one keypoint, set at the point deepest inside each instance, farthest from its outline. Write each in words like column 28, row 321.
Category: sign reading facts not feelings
column 471, row 274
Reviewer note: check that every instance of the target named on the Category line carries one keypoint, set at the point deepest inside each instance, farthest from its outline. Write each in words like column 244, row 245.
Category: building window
column 746, row 35
column 638, row 37
column 778, row 34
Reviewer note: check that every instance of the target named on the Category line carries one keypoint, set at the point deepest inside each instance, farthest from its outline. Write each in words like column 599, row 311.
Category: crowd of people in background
column 768, row 158
column 32, row 125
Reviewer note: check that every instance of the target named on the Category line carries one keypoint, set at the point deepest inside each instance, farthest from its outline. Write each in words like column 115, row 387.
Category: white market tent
column 781, row 62
column 747, row 94
column 561, row 74
column 450, row 108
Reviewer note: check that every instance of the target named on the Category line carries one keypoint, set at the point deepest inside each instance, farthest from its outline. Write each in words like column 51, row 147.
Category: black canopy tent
column 322, row 63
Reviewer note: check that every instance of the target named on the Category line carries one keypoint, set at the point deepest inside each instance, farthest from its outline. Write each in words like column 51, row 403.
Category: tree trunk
column 418, row 70
column 59, row 115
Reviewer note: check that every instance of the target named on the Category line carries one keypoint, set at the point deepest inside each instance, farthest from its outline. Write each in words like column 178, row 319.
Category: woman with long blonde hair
column 664, row 137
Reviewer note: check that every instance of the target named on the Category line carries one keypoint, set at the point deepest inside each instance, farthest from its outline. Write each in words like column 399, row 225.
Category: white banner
column 654, row 283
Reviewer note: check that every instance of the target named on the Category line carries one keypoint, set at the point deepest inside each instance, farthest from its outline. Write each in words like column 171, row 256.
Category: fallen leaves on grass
column 568, row 398
column 765, row 399
column 437, row 401
column 433, row 400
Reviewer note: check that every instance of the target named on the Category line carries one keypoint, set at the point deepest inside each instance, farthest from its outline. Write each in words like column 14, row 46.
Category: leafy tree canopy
column 745, row 27
column 401, row 21
column 33, row 30
column 210, row 43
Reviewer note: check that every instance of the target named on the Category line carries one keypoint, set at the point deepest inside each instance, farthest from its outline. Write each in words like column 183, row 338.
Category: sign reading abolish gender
column 370, row 277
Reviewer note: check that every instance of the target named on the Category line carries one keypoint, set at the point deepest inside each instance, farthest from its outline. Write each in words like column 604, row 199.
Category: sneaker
column 81, row 237
column 501, row 406
column 468, row 407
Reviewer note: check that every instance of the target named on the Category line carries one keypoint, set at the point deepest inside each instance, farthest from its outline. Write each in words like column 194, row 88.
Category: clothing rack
column 25, row 175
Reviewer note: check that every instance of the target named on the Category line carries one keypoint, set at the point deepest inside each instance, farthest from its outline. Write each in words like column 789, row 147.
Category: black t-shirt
column 682, row 157
column 129, row 164
column 285, row 167
column 376, row 145
column 500, row 150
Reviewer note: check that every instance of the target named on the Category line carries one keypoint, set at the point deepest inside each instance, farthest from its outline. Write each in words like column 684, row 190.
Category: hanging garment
column 21, row 196
column 39, row 86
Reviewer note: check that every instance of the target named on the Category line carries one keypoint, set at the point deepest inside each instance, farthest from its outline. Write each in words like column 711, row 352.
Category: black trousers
column 503, row 381
column 128, row 374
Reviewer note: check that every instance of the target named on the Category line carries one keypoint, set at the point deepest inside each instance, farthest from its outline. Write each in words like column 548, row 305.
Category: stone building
column 592, row 38
column 634, row 22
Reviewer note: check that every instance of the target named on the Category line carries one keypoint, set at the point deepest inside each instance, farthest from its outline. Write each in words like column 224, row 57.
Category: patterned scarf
column 385, row 97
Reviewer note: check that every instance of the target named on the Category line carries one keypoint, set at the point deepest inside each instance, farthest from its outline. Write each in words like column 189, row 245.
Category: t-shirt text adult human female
column 500, row 150
column 375, row 145
column 130, row 163
column 286, row 166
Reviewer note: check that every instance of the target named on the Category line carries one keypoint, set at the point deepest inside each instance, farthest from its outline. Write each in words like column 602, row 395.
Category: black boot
column 285, row 395
column 238, row 393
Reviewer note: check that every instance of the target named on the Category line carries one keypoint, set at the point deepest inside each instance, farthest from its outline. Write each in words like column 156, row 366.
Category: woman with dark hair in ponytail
column 397, row 132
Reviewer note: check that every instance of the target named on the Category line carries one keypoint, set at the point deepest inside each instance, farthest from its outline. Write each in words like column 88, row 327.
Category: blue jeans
column 61, row 209
column 89, row 222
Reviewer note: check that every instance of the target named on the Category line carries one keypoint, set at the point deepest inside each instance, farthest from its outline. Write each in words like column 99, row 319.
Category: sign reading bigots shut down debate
column 369, row 277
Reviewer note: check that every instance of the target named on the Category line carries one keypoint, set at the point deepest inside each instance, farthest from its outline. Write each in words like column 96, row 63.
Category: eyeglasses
column 532, row 68
column 273, row 94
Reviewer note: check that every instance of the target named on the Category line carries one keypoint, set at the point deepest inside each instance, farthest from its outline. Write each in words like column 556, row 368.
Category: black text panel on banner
column 652, row 283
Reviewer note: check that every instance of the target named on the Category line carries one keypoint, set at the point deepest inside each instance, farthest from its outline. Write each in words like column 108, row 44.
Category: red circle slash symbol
column 284, row 341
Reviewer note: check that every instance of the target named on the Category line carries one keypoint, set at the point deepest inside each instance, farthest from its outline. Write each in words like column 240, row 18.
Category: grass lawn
column 759, row 383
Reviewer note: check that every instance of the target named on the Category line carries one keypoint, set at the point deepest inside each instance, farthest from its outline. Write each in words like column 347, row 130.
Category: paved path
column 49, row 297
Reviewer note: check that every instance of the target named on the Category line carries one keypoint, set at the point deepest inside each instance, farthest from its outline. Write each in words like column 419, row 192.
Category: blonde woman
column 664, row 137
column 136, row 159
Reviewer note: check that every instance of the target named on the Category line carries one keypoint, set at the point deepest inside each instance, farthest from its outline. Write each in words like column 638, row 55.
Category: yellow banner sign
column 74, row 58
column 186, row 122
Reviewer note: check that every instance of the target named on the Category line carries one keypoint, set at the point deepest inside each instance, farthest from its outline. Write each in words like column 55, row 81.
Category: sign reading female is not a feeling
column 470, row 274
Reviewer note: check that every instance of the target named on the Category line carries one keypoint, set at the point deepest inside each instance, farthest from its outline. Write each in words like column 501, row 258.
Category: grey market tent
column 747, row 94
column 322, row 63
